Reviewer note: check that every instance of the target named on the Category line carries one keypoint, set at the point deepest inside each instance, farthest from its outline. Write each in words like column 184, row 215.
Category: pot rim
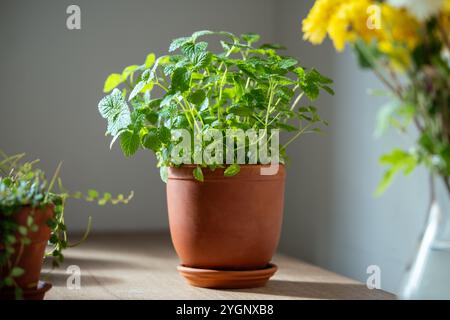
column 248, row 172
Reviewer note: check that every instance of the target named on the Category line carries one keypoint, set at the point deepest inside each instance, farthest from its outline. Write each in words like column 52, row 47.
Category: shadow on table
column 59, row 279
column 316, row 290
column 101, row 264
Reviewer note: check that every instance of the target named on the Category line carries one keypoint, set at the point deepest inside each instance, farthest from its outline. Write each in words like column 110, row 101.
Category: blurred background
column 52, row 79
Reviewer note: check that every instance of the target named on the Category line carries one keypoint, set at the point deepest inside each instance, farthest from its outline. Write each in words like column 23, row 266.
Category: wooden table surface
column 143, row 266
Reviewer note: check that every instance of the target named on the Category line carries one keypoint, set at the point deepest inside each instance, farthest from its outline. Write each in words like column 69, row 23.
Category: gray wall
column 52, row 79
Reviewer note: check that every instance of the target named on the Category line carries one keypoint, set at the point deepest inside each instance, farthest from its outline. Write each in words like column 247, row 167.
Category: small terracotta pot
column 225, row 223
column 30, row 257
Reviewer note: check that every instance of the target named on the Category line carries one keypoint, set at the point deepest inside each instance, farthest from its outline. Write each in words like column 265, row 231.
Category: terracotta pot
column 30, row 257
column 226, row 223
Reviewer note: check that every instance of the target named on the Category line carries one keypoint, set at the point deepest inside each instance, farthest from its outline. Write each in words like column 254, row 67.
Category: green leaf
column 180, row 79
column 115, row 110
column 8, row 281
column 198, row 174
column 151, row 140
column 22, row 230
column 17, row 272
column 129, row 142
column 164, row 135
column 232, row 170
column 104, row 200
column 197, row 97
column 136, row 90
column 328, row 89
column 164, row 173
column 128, row 71
column 287, row 127
column 250, row 37
column 398, row 160
column 240, row 110
column 287, row 63
column 201, row 33
column 201, row 60
column 30, row 221
column 112, row 81
column 191, row 49
column 18, row 292
column 366, row 54
column 150, row 60
column 177, row 43
column 92, row 194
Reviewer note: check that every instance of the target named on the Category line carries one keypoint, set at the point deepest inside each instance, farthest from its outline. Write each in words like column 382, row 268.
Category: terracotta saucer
column 28, row 294
column 223, row 279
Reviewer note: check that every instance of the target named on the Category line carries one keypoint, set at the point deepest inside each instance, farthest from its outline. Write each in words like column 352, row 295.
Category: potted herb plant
column 225, row 200
column 407, row 46
column 32, row 217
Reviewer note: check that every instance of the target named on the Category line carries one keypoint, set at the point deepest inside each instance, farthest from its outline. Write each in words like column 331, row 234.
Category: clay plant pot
column 225, row 223
column 30, row 257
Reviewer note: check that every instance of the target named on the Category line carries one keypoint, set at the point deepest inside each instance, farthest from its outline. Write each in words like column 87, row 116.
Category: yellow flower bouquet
column 406, row 43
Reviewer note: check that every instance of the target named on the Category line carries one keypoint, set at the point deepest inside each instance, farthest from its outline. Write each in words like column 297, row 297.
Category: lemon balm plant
column 225, row 220
column 407, row 46
column 32, row 213
column 242, row 87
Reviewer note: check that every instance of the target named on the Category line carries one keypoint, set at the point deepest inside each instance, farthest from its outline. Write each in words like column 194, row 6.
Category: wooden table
column 143, row 266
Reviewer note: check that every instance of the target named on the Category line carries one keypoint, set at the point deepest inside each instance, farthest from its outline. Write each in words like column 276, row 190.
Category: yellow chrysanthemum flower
column 399, row 26
column 399, row 35
column 447, row 6
column 316, row 24
column 350, row 23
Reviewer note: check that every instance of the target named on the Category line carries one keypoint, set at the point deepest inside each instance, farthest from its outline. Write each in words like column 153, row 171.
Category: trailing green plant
column 22, row 185
column 243, row 86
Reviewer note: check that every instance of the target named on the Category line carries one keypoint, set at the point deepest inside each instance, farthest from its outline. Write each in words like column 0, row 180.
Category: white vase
column 428, row 275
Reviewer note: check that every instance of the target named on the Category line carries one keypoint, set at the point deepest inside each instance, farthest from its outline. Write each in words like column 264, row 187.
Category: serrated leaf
column 136, row 90
column 311, row 90
column 129, row 142
column 164, row 135
column 197, row 97
column 287, row 63
column 202, row 59
column 151, row 140
column 180, row 79
column 115, row 110
column 201, row 33
column 112, row 81
column 177, row 43
column 191, row 49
